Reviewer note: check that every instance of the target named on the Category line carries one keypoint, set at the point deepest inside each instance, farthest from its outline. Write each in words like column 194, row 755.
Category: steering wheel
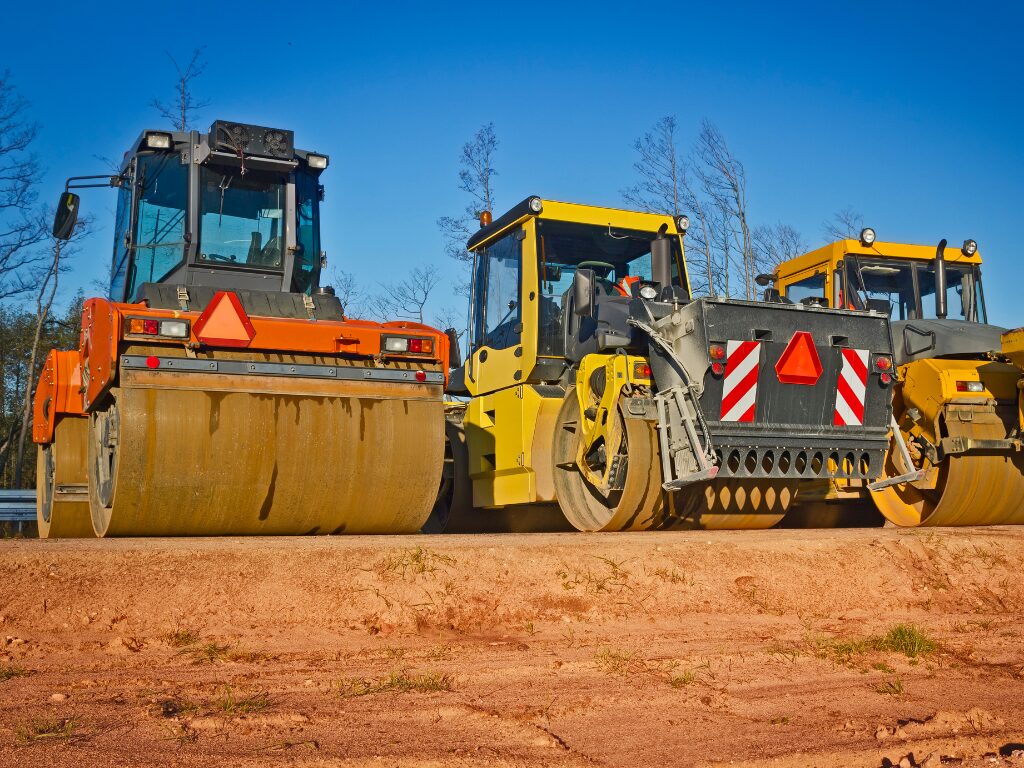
column 606, row 284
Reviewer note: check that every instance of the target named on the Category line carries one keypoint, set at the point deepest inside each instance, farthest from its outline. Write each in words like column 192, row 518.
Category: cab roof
column 837, row 251
column 571, row 212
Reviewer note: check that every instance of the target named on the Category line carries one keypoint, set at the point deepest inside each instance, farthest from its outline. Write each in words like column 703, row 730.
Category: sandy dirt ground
column 782, row 648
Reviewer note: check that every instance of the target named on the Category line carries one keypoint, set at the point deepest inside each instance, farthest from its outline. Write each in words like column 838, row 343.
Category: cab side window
column 813, row 286
column 498, row 313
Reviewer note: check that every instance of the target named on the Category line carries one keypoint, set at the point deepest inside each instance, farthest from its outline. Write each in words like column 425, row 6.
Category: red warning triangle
column 224, row 322
column 799, row 363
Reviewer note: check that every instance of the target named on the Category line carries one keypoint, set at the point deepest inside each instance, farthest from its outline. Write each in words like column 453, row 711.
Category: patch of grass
column 35, row 731
column 615, row 579
column 398, row 682
column 881, row 666
column 908, row 640
column 840, row 651
column 181, row 638
column 784, row 652
column 672, row 576
column 9, row 671
column 892, row 687
column 700, row 675
column 231, row 704
column 413, row 562
column 246, row 657
column 207, row 653
column 615, row 661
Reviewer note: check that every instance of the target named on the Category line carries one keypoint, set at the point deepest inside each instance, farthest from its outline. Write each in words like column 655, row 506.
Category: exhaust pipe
column 940, row 280
column 661, row 262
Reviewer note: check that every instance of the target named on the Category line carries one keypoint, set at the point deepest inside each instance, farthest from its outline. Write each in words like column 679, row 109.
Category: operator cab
column 553, row 281
column 237, row 208
column 892, row 278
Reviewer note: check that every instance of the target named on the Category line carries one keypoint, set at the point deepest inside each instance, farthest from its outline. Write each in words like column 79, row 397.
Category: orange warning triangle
column 799, row 363
column 224, row 322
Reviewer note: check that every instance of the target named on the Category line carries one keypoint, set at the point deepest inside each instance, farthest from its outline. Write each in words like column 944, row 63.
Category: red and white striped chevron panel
column 853, row 383
column 739, row 390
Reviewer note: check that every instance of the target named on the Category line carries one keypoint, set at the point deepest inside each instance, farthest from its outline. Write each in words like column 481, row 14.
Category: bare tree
column 476, row 178
column 660, row 166
column 724, row 182
column 446, row 318
column 19, row 171
column 59, row 250
column 182, row 109
column 406, row 299
column 776, row 244
column 348, row 292
column 843, row 225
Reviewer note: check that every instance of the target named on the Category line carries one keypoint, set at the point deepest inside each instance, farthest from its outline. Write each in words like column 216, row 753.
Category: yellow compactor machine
column 602, row 392
column 217, row 388
column 958, row 395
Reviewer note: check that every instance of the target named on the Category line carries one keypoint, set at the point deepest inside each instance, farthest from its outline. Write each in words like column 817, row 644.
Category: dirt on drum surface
column 784, row 648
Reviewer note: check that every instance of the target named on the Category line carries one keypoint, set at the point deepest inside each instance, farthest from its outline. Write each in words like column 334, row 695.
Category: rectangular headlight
column 158, row 140
column 317, row 161
column 396, row 344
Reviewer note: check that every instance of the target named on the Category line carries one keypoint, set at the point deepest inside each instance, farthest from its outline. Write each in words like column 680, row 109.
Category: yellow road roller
column 601, row 395
column 956, row 457
column 218, row 388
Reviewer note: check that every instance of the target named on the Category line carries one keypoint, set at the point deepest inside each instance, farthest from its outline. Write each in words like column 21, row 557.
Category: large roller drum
column 968, row 489
column 62, row 499
column 179, row 454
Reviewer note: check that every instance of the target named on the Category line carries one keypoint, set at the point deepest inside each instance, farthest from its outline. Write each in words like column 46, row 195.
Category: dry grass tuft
column 398, row 682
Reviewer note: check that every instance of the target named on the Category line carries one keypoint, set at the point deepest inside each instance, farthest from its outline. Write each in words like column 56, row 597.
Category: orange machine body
column 72, row 381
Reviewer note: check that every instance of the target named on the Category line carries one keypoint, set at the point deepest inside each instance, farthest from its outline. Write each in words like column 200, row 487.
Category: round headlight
column 867, row 236
column 682, row 223
column 536, row 204
column 970, row 248
column 648, row 292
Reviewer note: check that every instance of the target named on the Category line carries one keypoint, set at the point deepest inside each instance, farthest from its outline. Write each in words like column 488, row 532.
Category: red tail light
column 641, row 371
column 716, row 352
column 718, row 368
column 883, row 363
column 421, row 376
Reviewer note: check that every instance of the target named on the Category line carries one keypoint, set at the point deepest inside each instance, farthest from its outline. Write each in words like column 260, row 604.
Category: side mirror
column 764, row 280
column 454, row 356
column 584, row 284
column 66, row 216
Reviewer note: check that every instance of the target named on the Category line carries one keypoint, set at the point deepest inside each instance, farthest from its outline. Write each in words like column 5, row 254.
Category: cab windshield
column 618, row 257
column 907, row 290
column 242, row 218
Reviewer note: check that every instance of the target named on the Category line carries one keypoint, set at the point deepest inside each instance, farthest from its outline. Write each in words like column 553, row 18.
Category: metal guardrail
column 17, row 506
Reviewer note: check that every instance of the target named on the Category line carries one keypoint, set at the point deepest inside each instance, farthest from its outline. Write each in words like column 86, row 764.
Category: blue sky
column 912, row 114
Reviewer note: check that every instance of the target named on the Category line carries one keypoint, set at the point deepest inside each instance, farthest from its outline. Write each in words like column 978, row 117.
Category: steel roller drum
column 195, row 455
column 970, row 489
column 640, row 505
column 62, row 501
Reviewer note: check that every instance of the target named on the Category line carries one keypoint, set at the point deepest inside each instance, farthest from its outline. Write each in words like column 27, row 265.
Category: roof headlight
column 682, row 223
column 319, row 162
column 970, row 247
column 158, row 140
column 648, row 292
column 536, row 205
column 867, row 236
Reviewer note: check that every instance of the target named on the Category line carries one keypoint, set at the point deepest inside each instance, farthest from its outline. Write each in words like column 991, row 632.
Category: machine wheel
column 970, row 489
column 62, row 501
column 638, row 506
column 454, row 505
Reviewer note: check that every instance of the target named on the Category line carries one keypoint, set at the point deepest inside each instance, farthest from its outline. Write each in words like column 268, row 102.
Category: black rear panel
column 774, row 428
